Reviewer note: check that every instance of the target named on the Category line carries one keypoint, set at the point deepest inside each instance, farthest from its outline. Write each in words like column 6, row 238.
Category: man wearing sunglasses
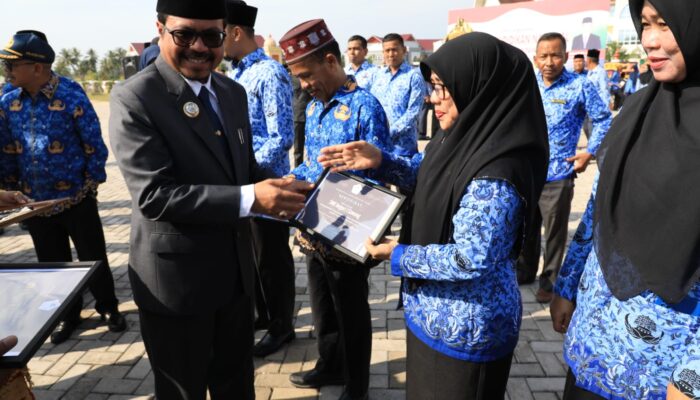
column 182, row 139
column 269, row 90
column 52, row 148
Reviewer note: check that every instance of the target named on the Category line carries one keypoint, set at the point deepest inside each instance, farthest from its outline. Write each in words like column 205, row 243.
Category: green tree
column 88, row 65
column 111, row 65
column 68, row 62
column 614, row 50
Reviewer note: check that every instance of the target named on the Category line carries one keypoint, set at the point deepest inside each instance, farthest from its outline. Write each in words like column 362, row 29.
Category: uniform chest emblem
column 78, row 112
column 57, row 105
column 558, row 101
column 56, row 147
column 311, row 109
column 687, row 381
column 63, row 186
column 13, row 148
column 342, row 113
column 643, row 328
column 191, row 109
column 16, row 105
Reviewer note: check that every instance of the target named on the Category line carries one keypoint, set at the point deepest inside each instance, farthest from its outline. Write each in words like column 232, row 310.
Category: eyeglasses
column 440, row 90
column 10, row 65
column 211, row 38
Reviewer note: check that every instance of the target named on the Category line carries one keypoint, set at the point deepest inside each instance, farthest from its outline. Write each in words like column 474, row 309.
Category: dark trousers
column 554, row 210
column 299, row 137
column 81, row 223
column 211, row 350
column 573, row 392
column 342, row 320
column 276, row 275
column 587, row 127
column 431, row 375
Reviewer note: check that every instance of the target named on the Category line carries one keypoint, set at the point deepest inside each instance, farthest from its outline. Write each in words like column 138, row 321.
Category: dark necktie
column 213, row 117
column 216, row 123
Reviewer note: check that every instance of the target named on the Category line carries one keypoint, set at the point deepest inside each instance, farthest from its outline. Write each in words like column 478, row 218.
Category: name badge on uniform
column 191, row 109
column 558, row 101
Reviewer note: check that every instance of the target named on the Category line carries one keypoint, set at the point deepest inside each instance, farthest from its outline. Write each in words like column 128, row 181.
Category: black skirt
column 431, row 375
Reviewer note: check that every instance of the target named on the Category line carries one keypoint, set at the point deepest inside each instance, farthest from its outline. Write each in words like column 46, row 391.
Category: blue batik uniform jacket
column 401, row 94
column 466, row 303
column 52, row 146
column 269, row 89
column 599, row 77
column 352, row 114
column 363, row 75
column 567, row 101
column 628, row 349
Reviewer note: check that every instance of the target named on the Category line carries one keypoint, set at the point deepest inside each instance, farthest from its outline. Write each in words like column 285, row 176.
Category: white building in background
column 417, row 49
column 622, row 29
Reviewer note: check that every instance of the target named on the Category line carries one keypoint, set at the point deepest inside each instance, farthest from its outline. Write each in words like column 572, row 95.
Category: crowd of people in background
column 205, row 157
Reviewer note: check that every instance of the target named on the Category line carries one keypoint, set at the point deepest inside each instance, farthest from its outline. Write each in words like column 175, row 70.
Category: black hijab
column 501, row 133
column 647, row 218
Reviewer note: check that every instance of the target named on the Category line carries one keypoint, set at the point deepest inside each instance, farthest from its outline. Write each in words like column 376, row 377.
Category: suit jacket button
column 217, row 133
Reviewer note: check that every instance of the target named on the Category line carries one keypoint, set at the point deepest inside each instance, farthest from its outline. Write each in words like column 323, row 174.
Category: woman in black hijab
column 635, row 328
column 475, row 188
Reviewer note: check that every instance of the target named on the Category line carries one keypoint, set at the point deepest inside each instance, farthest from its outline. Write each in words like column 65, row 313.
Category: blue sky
column 107, row 24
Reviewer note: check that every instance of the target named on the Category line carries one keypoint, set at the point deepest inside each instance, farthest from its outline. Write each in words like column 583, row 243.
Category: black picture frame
column 28, row 351
column 388, row 216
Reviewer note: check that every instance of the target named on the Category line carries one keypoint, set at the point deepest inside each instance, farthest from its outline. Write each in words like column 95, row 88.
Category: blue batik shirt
column 401, row 94
column 363, row 75
column 52, row 145
column 567, row 101
column 352, row 114
column 269, row 89
column 599, row 77
column 462, row 298
column 6, row 88
column 629, row 349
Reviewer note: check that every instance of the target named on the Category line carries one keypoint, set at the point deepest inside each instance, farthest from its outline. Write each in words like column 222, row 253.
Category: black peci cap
column 193, row 9
column 239, row 13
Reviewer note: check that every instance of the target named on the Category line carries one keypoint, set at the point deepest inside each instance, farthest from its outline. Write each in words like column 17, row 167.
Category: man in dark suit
column 587, row 39
column 182, row 139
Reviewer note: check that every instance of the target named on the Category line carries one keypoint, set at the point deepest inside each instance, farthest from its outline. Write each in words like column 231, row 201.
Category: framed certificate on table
column 33, row 298
column 344, row 210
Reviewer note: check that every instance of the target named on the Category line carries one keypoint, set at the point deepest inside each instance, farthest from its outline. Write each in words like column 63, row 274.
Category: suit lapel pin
column 191, row 109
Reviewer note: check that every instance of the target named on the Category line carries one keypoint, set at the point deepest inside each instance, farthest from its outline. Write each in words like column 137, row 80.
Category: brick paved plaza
column 97, row 364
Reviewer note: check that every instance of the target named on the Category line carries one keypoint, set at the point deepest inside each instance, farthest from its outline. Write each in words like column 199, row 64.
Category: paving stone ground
column 96, row 364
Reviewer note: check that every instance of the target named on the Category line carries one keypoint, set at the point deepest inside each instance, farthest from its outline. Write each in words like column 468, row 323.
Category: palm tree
column 111, row 65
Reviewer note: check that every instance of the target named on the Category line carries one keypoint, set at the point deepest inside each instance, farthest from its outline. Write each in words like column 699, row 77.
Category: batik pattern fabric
column 269, row 89
column 351, row 114
column 52, row 145
column 629, row 349
column 599, row 77
column 402, row 96
column 462, row 298
column 567, row 101
column 363, row 75
column 580, row 247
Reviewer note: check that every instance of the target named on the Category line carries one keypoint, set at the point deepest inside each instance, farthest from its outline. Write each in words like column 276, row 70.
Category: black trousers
column 573, row 392
column 211, row 350
column 299, row 137
column 342, row 320
column 81, row 223
column 276, row 274
column 431, row 375
column 554, row 210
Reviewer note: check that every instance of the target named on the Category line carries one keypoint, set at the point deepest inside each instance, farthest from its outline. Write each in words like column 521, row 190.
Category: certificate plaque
column 344, row 210
column 33, row 298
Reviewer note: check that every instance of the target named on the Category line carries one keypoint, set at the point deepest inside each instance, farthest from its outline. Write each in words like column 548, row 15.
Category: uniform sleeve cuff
column 396, row 256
